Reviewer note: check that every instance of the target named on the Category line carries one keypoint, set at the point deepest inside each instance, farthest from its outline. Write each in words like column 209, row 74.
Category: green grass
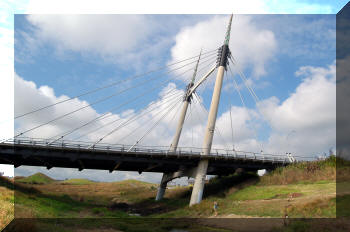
column 37, row 178
column 264, row 201
column 260, row 193
column 343, row 209
column 48, row 206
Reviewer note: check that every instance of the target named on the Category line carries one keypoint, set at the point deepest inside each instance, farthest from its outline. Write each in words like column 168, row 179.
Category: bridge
column 78, row 155
column 173, row 161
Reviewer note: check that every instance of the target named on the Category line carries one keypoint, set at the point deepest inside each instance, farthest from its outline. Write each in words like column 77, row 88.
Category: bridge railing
column 161, row 150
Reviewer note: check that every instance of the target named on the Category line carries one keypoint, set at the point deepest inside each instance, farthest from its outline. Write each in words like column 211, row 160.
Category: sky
column 288, row 59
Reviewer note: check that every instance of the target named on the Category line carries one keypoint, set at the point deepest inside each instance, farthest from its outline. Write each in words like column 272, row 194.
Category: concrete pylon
column 198, row 187
column 175, row 142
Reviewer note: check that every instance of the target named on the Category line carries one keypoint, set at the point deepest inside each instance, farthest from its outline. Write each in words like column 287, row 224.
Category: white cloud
column 29, row 97
column 103, row 34
column 255, row 52
column 115, row 38
column 130, row 41
column 310, row 112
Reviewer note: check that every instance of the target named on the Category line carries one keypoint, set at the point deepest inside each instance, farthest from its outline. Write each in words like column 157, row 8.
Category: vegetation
column 37, row 178
column 307, row 172
column 6, row 201
column 305, row 189
column 301, row 190
column 77, row 181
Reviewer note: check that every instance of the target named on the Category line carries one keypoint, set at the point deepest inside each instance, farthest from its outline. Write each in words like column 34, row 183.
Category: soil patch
column 143, row 208
column 288, row 195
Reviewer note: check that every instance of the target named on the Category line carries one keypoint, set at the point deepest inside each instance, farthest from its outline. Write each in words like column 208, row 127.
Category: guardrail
column 219, row 152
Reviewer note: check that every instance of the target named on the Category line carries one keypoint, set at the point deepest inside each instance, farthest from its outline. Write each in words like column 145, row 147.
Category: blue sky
column 301, row 40
column 286, row 57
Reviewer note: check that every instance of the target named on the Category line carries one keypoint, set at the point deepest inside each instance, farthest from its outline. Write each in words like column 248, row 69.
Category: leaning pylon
column 201, row 171
column 187, row 100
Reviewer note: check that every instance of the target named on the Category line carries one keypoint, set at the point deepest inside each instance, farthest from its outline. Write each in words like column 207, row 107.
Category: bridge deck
column 141, row 159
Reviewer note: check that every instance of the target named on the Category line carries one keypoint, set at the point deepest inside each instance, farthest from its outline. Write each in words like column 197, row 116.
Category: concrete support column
column 198, row 187
column 161, row 192
column 162, row 188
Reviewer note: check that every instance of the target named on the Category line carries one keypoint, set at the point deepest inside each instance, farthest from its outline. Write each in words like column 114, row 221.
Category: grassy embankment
column 86, row 199
column 300, row 190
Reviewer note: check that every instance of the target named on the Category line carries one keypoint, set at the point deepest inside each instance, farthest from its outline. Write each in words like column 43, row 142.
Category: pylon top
column 228, row 32
column 195, row 70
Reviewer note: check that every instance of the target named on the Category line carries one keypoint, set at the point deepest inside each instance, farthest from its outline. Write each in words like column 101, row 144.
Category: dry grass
column 178, row 192
column 103, row 193
column 307, row 172
column 6, row 206
column 128, row 191
column 320, row 207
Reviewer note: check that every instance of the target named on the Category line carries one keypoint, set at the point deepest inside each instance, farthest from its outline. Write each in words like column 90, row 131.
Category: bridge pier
column 198, row 187
column 162, row 188
column 183, row 171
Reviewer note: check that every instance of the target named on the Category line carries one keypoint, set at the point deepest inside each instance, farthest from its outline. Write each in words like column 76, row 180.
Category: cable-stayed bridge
column 68, row 149
column 71, row 154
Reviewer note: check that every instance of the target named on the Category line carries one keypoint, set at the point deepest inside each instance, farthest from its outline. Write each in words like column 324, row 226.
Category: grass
column 117, row 225
column 268, row 201
column 77, row 181
column 32, row 203
column 6, row 202
column 130, row 191
column 303, row 171
column 305, row 189
column 37, row 178
column 311, row 185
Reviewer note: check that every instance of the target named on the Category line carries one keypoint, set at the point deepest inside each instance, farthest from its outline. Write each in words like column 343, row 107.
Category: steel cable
column 110, row 85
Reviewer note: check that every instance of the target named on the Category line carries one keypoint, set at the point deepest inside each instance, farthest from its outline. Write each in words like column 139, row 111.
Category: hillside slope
column 301, row 190
column 37, row 178
column 306, row 189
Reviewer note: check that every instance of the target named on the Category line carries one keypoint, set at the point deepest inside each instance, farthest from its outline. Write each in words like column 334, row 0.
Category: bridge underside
column 81, row 159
